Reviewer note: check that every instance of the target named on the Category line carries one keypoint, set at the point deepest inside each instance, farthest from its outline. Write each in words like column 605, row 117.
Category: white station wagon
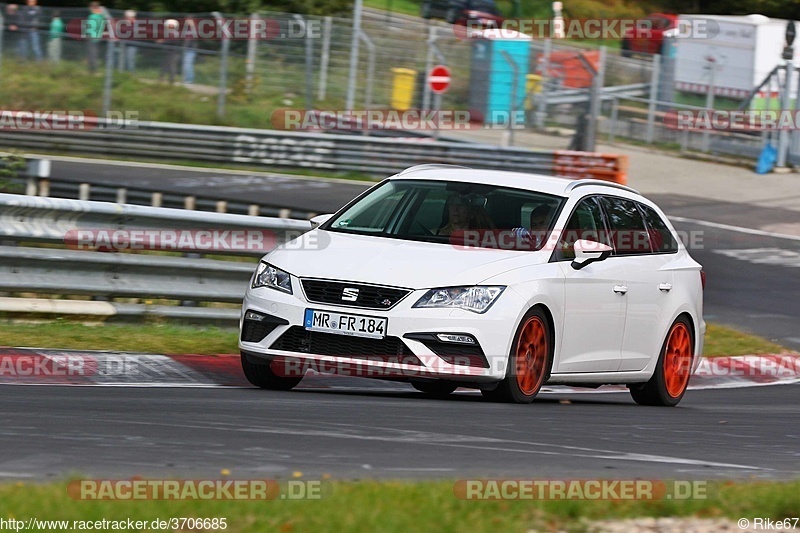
column 446, row 277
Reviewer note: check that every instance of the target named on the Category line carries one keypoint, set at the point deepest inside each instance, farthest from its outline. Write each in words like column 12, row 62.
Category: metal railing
column 53, row 279
column 275, row 149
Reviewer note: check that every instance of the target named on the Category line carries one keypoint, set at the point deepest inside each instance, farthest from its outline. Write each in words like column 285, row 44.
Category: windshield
column 442, row 211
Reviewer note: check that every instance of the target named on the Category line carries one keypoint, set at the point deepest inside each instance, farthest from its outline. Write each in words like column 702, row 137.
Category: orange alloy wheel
column 677, row 359
column 531, row 355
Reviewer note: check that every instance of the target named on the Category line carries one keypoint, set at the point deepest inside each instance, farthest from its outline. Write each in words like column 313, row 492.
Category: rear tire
column 437, row 389
column 529, row 362
column 261, row 375
column 671, row 377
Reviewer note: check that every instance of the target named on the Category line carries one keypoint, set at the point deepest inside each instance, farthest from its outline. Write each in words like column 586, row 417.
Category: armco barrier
column 28, row 272
column 281, row 149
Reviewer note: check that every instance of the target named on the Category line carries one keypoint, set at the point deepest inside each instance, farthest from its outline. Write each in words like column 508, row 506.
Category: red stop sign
column 439, row 79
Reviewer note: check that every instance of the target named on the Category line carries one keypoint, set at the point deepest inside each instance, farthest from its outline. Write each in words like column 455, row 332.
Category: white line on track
column 739, row 229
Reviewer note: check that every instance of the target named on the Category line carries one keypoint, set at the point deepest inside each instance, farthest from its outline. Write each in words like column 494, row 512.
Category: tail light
column 703, row 279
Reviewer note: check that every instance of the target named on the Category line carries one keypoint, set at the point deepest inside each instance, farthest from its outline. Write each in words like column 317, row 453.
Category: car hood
column 395, row 262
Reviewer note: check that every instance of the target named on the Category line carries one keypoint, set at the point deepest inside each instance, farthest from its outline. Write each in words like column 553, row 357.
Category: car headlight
column 476, row 299
column 274, row 278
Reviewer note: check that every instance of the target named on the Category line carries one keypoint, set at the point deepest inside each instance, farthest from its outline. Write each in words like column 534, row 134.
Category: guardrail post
column 222, row 206
column 122, row 195
column 253, row 210
column 190, row 203
column 651, row 106
column 84, row 191
column 44, row 187
column 157, row 199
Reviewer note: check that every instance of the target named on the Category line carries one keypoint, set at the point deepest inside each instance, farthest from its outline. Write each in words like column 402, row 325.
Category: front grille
column 369, row 296
column 388, row 349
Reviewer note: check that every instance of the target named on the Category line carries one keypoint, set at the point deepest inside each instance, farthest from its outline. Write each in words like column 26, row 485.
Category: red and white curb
column 33, row 366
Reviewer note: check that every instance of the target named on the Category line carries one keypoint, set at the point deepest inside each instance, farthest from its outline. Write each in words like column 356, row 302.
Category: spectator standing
column 12, row 25
column 169, row 63
column 128, row 49
column 29, row 26
column 56, row 34
column 190, row 46
column 93, row 33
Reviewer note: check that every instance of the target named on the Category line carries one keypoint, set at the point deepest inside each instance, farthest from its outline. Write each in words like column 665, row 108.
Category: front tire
column 529, row 362
column 674, row 367
column 262, row 375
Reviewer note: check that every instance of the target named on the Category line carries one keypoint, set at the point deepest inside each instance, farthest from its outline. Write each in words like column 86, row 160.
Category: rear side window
column 661, row 238
column 629, row 234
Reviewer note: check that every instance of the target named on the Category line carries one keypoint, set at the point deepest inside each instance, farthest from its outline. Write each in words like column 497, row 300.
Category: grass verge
column 174, row 339
column 404, row 506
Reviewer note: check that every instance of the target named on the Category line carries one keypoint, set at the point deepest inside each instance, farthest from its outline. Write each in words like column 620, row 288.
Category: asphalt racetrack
column 112, row 432
column 371, row 429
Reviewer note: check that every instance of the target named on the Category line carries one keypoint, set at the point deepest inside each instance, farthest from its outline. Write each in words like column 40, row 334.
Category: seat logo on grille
column 350, row 294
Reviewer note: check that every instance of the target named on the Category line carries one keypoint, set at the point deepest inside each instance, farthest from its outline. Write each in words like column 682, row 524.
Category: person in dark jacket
column 29, row 18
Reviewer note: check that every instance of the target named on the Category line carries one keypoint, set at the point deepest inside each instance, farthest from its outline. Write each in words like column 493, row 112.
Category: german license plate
column 345, row 324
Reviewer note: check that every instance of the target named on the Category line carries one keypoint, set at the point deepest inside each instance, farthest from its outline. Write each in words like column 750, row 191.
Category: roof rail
column 582, row 183
column 428, row 166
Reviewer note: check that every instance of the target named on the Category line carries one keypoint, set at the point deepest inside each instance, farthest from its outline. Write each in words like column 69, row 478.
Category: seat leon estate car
column 447, row 277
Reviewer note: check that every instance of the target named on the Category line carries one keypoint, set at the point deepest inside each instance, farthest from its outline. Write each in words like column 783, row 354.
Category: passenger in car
column 540, row 217
column 462, row 215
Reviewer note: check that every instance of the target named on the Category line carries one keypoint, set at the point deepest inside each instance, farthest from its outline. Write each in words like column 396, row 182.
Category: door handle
column 665, row 287
column 620, row 289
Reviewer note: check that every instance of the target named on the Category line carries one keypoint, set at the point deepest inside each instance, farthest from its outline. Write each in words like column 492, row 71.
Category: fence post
column 614, row 116
column 541, row 106
column 710, row 100
column 370, row 71
column 508, row 137
column 2, row 25
column 252, row 50
column 223, row 68
column 426, row 92
column 651, row 106
column 594, row 102
column 309, row 66
column 107, row 84
column 783, row 135
column 326, row 56
column 351, row 77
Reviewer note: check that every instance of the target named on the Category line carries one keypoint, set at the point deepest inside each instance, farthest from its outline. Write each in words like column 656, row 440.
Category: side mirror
column 587, row 252
column 319, row 220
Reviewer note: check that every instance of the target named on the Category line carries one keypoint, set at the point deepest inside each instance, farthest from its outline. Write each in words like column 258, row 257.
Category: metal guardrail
column 274, row 149
column 30, row 272
column 32, row 218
